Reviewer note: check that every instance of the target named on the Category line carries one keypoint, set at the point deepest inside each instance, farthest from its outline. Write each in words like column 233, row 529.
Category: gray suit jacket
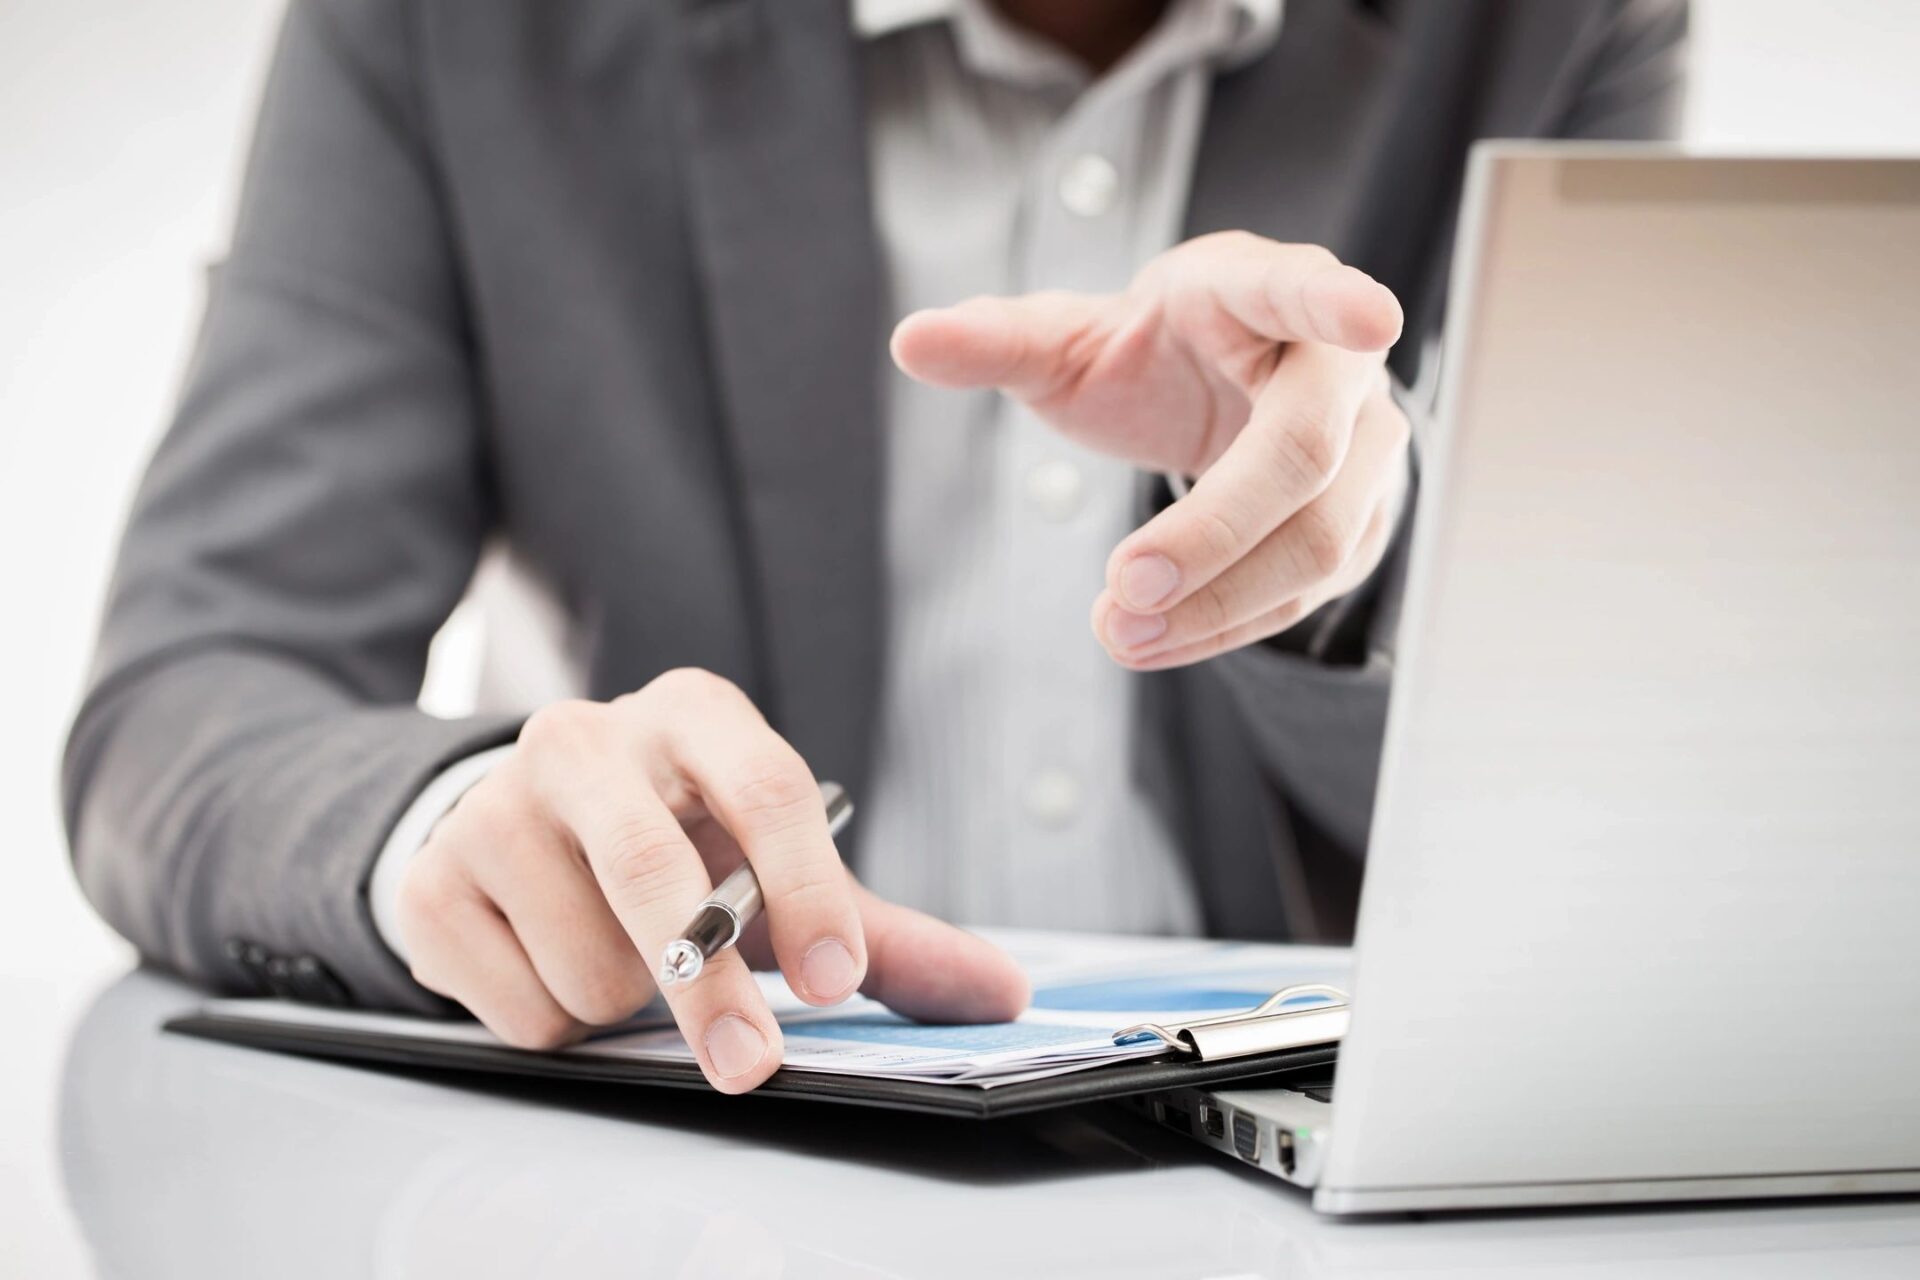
column 600, row 277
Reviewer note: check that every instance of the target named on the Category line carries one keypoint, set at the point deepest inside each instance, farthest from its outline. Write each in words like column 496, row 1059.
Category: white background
column 122, row 124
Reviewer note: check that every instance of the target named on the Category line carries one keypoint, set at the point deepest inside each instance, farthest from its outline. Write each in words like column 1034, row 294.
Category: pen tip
column 681, row 963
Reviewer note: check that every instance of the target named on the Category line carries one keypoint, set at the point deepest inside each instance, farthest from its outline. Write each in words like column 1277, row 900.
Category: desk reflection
column 182, row 1157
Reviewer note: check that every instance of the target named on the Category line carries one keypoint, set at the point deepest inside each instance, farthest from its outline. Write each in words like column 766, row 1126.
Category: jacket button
column 279, row 972
column 316, row 983
column 250, row 958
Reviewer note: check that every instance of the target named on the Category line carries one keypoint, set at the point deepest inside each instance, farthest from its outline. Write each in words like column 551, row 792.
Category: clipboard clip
column 1266, row 1028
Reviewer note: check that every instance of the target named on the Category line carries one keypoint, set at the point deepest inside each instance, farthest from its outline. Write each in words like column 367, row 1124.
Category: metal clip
column 1265, row 1028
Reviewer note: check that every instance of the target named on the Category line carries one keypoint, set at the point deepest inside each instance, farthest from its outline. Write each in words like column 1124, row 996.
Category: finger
column 1303, row 556
column 930, row 970
column 758, row 788
column 652, row 878
column 540, row 882
column 461, row 947
column 1030, row 346
column 1283, row 292
column 1274, row 621
column 1290, row 451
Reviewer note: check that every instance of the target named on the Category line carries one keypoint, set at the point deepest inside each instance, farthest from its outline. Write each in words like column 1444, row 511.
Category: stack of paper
column 1086, row 989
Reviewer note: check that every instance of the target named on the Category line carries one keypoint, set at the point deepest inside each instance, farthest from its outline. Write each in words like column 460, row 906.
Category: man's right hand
column 543, row 900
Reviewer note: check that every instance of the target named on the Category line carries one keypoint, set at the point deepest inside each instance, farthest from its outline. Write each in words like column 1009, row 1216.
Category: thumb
column 929, row 970
column 1027, row 346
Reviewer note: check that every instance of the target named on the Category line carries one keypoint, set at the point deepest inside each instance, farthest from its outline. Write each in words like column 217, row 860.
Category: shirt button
column 1088, row 185
column 1053, row 797
column 1055, row 489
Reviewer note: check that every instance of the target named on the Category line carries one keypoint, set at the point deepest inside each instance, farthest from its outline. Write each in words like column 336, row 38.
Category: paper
column 1086, row 988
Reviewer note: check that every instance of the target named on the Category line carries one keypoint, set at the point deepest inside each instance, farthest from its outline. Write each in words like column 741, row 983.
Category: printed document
column 1087, row 988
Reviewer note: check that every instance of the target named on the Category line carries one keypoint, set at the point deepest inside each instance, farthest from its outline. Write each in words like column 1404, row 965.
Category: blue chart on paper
column 1157, row 995
column 885, row 1028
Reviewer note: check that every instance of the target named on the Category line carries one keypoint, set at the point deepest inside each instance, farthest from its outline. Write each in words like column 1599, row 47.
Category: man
column 612, row 282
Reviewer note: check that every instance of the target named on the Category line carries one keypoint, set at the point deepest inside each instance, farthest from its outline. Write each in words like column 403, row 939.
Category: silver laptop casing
column 1641, row 918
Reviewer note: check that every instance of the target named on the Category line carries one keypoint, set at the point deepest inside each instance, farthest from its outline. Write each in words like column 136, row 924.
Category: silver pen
column 719, row 921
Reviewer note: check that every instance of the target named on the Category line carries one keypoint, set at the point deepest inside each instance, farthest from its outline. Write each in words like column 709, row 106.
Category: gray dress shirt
column 1003, row 790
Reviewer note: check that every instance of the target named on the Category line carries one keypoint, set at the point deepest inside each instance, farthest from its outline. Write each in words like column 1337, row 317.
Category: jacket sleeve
column 1314, row 700
column 313, row 513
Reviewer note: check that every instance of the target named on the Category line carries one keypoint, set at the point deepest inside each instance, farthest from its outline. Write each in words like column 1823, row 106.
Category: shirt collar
column 875, row 18
column 1253, row 25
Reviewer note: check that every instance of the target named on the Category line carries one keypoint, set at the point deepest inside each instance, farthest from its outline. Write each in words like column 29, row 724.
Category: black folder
column 1185, row 1063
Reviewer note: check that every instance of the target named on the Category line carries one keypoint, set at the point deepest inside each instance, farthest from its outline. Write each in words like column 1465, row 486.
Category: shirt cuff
column 410, row 834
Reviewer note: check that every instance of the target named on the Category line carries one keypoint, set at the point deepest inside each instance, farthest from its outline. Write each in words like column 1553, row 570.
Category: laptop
column 1641, row 918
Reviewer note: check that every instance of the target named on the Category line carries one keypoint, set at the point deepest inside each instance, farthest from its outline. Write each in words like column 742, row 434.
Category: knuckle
column 560, row 725
column 684, row 685
column 1211, row 608
column 1218, row 532
column 426, row 894
column 1201, row 650
column 1310, row 446
column 1214, row 646
column 1233, row 241
column 1374, row 537
column 1283, row 617
column 774, row 788
column 1283, row 273
column 1319, row 256
column 1325, row 541
column 1399, row 426
column 643, row 862
column 498, row 822
column 811, row 890
column 488, row 806
column 436, row 974
column 604, row 994
column 423, row 974
column 539, row 1029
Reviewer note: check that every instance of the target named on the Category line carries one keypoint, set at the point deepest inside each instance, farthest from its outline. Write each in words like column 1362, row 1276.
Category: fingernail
column 1147, row 580
column 1128, row 630
column 826, row 971
column 734, row 1046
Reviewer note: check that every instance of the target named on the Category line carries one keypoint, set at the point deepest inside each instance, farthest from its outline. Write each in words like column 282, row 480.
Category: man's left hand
column 1256, row 367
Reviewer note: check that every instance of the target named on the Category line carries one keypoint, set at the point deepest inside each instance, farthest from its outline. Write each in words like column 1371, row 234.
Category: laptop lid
column 1642, row 911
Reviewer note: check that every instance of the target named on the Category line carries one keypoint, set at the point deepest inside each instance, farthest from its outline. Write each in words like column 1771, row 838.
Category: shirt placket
column 1091, row 216
column 1068, row 708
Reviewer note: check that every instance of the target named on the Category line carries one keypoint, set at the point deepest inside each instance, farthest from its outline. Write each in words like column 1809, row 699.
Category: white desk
column 185, row 1158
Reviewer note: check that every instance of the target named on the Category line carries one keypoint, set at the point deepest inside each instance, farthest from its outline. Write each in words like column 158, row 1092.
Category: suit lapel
column 1290, row 152
column 1292, row 140
column 782, row 229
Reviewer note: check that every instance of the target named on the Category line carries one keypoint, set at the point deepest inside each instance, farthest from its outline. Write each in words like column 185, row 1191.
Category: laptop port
column 1246, row 1138
column 1176, row 1118
column 1283, row 1149
column 1211, row 1121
